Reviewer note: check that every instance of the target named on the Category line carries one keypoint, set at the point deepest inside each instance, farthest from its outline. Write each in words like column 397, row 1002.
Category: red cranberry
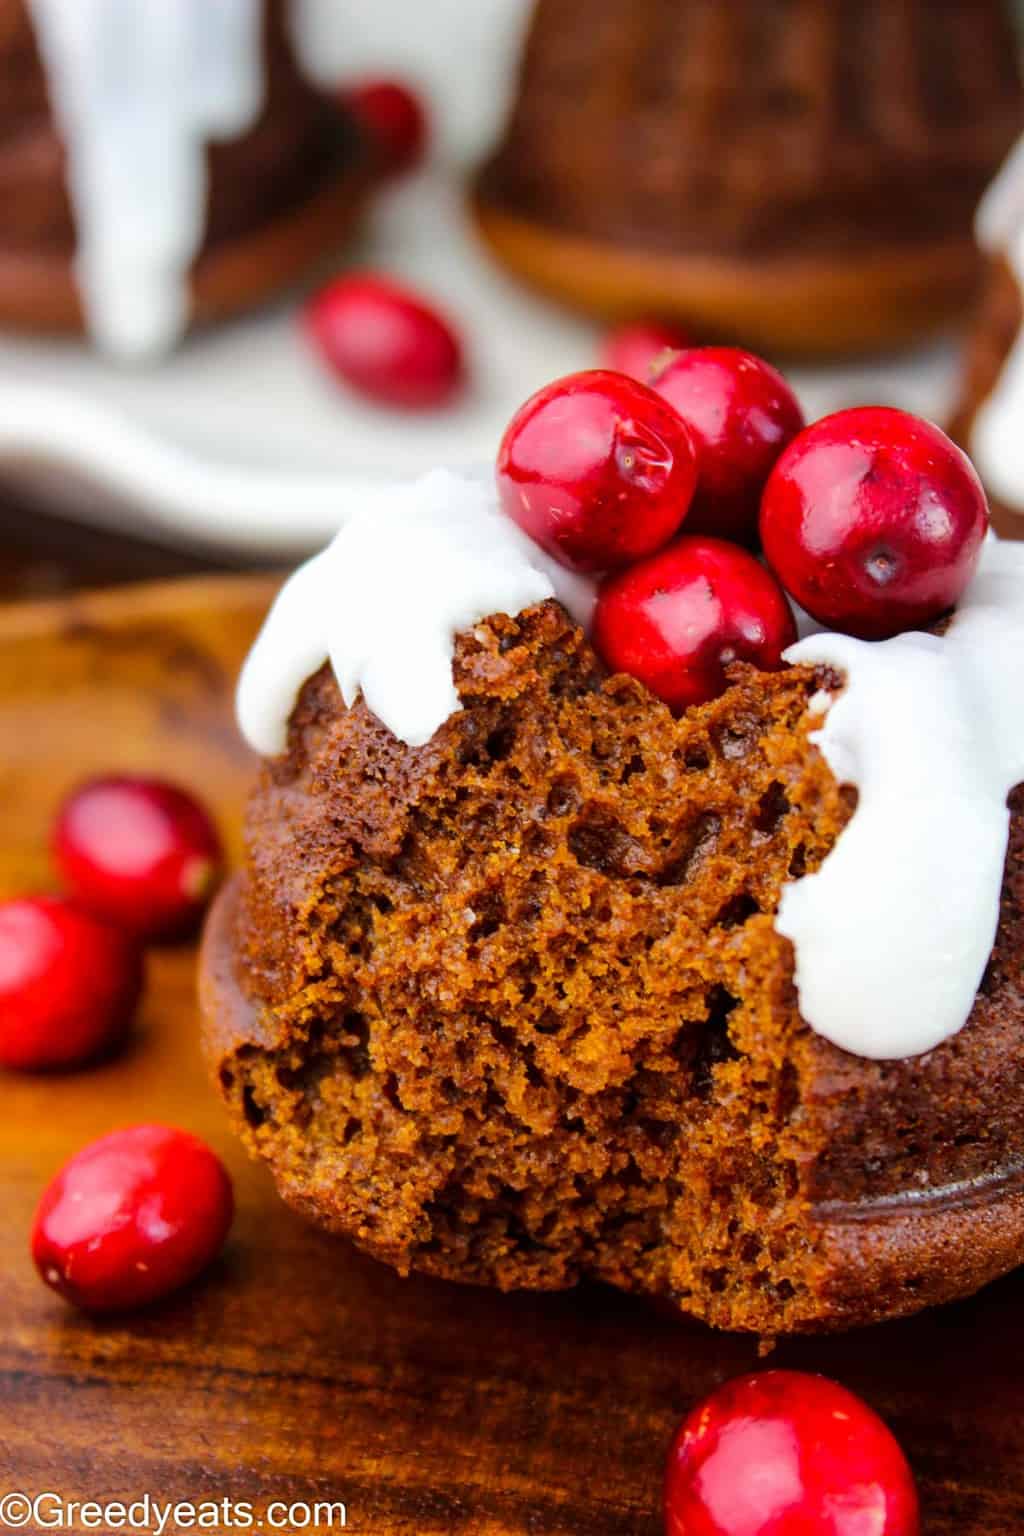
column 678, row 619
column 68, row 984
column 781, row 1452
column 641, row 347
column 873, row 520
column 742, row 414
column 597, row 470
column 132, row 1217
column 385, row 342
column 394, row 118
column 139, row 852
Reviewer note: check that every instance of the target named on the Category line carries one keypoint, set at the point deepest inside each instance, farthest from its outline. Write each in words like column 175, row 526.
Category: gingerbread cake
column 161, row 165
column 801, row 177
column 502, row 991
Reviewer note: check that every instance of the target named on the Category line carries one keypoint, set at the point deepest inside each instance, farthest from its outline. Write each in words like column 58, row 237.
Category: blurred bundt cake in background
column 161, row 164
column 798, row 174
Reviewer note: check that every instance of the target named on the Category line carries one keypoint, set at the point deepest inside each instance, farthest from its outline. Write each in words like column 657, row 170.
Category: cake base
column 795, row 305
column 878, row 1259
column 39, row 295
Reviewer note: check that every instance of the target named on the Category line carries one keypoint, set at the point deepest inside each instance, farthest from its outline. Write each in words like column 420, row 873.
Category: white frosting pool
column 139, row 88
column 997, row 437
column 893, row 933
column 385, row 601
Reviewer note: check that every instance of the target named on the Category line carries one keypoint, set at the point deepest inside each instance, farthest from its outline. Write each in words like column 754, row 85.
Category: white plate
column 240, row 442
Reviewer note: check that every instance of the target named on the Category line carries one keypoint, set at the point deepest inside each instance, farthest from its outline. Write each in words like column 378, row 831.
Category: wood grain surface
column 297, row 1370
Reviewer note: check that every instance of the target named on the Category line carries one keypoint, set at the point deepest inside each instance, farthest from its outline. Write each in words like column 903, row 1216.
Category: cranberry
column 139, row 852
column 68, row 984
column 132, row 1217
column 781, row 1451
column 641, row 347
column 742, row 414
column 394, row 118
column 677, row 620
column 873, row 520
column 385, row 342
column 597, row 470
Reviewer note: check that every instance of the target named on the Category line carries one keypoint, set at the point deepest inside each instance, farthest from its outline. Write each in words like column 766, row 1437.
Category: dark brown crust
column 805, row 142
column 280, row 196
column 607, row 1076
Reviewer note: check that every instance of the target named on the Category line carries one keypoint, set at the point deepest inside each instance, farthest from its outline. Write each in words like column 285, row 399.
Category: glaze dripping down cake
column 507, row 1000
column 801, row 176
column 235, row 174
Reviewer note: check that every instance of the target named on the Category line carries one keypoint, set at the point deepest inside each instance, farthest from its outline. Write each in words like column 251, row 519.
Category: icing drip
column 139, row 88
column 385, row 601
column 997, row 437
column 893, row 933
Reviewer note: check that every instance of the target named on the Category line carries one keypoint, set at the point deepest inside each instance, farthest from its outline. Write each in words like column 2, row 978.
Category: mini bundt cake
column 510, row 1004
column 990, row 418
column 798, row 174
column 160, row 164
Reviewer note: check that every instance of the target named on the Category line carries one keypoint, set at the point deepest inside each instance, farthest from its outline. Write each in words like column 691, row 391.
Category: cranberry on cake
column 590, row 925
column 164, row 163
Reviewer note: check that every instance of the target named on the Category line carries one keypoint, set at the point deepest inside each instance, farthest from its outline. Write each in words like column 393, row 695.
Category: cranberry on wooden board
column 386, row 342
column 781, row 1453
column 641, row 347
column 132, row 1217
column 676, row 620
column 394, row 118
column 140, row 852
column 597, row 470
column 742, row 414
column 874, row 520
column 69, row 984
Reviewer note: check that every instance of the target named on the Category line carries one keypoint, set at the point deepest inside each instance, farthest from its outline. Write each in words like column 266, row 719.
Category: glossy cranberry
column 742, row 414
column 642, row 347
column 597, row 470
column 132, row 1217
column 394, row 118
column 677, row 619
column 781, row 1453
column 69, row 984
column 873, row 520
column 139, row 852
column 384, row 341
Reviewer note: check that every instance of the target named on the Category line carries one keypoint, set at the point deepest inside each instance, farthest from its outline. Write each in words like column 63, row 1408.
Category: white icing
column 139, row 88
column 997, row 436
column 892, row 934
column 385, row 601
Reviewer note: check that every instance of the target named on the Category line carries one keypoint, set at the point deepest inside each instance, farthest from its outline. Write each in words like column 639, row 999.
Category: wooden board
column 299, row 1370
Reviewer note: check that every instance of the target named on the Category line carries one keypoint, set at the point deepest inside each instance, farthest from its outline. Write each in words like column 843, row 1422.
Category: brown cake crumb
column 510, row 1007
